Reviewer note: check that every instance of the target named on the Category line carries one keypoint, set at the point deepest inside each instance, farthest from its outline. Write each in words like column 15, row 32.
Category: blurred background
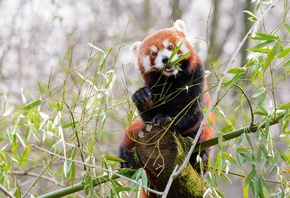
column 35, row 36
column 40, row 40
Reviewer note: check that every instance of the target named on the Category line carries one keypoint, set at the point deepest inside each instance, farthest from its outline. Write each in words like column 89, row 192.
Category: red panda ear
column 180, row 25
column 135, row 48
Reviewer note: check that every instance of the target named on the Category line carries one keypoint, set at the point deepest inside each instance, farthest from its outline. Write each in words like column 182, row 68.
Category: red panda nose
column 165, row 59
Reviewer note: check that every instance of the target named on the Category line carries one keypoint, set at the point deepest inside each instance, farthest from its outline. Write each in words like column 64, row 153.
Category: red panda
column 169, row 93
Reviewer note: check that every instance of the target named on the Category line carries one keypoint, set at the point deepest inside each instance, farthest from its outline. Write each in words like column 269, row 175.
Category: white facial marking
column 166, row 43
column 183, row 48
column 153, row 48
column 146, row 64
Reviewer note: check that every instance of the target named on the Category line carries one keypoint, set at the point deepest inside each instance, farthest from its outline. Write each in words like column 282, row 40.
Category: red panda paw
column 142, row 95
column 161, row 119
column 129, row 161
column 142, row 99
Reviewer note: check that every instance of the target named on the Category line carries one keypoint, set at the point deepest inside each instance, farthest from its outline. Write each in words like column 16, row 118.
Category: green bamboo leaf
column 224, row 176
column 239, row 70
column 253, row 17
column 261, row 112
column 287, row 64
column 144, row 179
column 284, row 53
column 71, row 124
column 259, row 92
column 246, row 191
column 284, row 106
column 261, row 50
column 260, row 47
column 174, row 52
column 229, row 158
column 113, row 158
column 271, row 55
column 259, row 155
column 264, row 36
column 251, row 64
column 273, row 170
column 249, row 177
column 24, row 156
column 73, row 173
column 233, row 80
column 218, row 163
column 287, row 27
column 257, row 185
column 4, row 160
column 249, row 142
column 179, row 59
column 284, row 156
column 247, row 158
column 32, row 105
column 226, row 128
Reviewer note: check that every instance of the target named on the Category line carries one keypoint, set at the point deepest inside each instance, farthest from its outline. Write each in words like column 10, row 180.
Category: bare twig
column 6, row 192
column 37, row 175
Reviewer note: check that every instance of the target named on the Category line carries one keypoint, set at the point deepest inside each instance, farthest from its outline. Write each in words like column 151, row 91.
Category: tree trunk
column 159, row 150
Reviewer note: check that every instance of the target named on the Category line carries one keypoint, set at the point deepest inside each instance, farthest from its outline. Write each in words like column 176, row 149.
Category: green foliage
column 262, row 158
column 55, row 140
column 68, row 120
column 176, row 63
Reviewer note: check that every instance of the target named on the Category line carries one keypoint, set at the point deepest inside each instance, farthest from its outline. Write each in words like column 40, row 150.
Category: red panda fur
column 137, row 124
column 159, row 106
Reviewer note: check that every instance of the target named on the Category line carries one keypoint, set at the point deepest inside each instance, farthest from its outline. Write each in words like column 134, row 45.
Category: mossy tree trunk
column 159, row 150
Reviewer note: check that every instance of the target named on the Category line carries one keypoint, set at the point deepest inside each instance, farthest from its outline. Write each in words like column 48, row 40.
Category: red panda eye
column 154, row 54
column 170, row 47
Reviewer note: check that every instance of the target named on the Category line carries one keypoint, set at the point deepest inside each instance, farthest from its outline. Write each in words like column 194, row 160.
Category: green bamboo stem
column 77, row 187
column 234, row 134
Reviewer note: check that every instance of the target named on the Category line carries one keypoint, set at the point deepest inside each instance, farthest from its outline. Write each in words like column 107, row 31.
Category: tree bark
column 159, row 150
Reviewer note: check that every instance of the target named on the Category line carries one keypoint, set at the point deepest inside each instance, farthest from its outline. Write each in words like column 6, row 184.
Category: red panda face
column 154, row 51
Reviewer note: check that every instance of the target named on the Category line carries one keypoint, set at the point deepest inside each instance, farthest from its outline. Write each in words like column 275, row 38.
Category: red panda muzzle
column 169, row 68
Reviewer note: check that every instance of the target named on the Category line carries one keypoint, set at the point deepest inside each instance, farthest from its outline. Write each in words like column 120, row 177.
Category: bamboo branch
column 234, row 134
column 77, row 187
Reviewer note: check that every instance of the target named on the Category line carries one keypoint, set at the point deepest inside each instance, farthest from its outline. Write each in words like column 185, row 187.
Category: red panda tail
column 129, row 142
column 143, row 194
column 131, row 133
column 207, row 131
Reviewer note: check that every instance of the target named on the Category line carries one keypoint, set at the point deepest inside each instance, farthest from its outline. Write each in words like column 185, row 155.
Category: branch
column 234, row 134
column 78, row 187
column 32, row 174
column 6, row 192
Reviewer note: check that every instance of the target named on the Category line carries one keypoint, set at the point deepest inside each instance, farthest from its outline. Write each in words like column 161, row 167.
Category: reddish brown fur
column 137, row 124
column 131, row 132
column 173, row 36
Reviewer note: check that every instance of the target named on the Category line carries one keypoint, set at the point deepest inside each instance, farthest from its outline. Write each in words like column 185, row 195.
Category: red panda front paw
column 126, row 155
column 161, row 119
column 142, row 99
column 142, row 95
